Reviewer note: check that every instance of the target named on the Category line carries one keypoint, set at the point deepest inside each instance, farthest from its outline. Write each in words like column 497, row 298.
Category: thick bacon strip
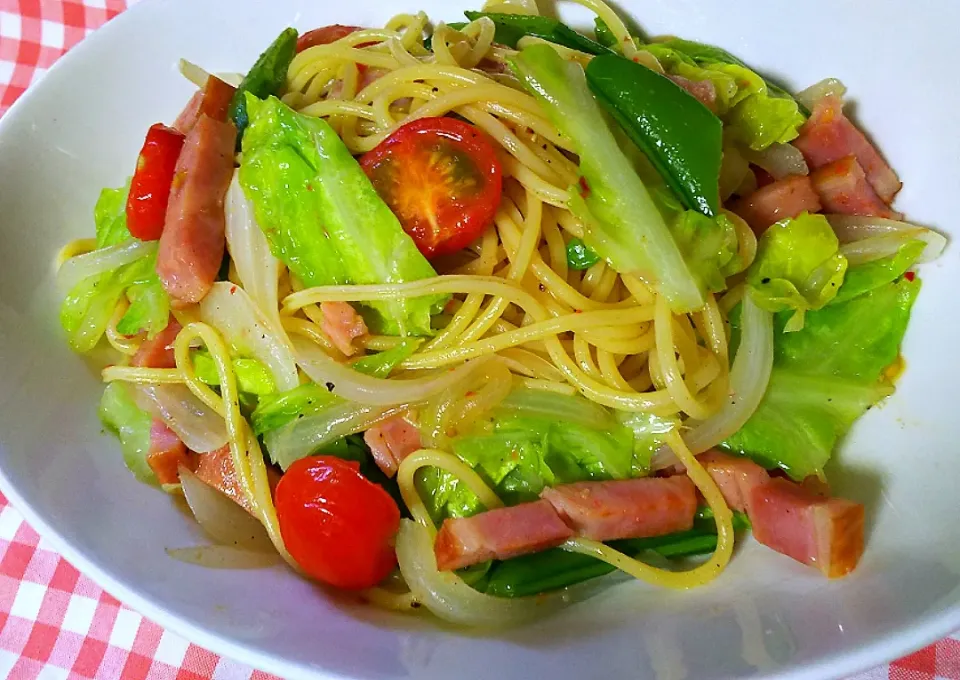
column 212, row 100
column 499, row 534
column 826, row 533
column 632, row 508
column 787, row 197
column 391, row 441
column 736, row 477
column 843, row 188
column 167, row 453
column 342, row 325
column 829, row 136
column 158, row 352
column 193, row 241
column 191, row 112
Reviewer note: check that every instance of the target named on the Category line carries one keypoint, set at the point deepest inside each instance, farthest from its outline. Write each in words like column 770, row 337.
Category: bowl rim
column 885, row 649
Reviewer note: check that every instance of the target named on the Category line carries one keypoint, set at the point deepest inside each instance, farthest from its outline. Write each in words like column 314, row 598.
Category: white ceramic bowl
column 80, row 130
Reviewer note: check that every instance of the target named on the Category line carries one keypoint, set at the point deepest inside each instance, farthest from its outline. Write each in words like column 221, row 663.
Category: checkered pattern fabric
column 56, row 623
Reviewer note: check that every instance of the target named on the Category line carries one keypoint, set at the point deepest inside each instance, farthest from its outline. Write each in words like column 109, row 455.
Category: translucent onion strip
column 852, row 228
column 198, row 426
column 813, row 94
column 229, row 309
column 225, row 521
column 749, row 376
column 303, row 436
column 257, row 267
column 448, row 596
column 780, row 160
column 350, row 384
column 223, row 557
column 81, row 267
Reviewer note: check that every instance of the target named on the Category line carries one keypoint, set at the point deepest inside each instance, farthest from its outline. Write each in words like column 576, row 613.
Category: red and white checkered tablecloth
column 56, row 623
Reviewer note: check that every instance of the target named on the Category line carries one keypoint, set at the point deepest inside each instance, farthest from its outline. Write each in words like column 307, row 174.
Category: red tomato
column 324, row 35
column 441, row 178
column 337, row 525
column 152, row 180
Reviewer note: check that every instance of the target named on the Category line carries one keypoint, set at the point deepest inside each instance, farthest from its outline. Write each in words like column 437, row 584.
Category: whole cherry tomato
column 336, row 524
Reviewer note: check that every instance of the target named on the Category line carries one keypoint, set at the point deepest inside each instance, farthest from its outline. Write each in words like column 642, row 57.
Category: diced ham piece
column 193, row 240
column 391, row 441
column 499, row 534
column 703, row 90
column 212, row 100
column 843, row 188
column 158, row 351
column 167, row 453
column 188, row 117
column 631, row 508
column 787, row 197
column 829, row 136
column 736, row 477
column 826, row 533
column 216, row 469
column 342, row 325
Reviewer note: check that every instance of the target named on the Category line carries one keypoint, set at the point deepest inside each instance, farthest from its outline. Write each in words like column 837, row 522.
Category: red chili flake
column 910, row 276
column 309, row 186
column 636, row 60
column 233, row 290
column 584, row 187
column 469, row 394
column 578, row 311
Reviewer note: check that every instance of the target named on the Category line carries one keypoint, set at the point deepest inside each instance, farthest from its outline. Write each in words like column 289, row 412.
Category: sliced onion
column 364, row 389
column 231, row 78
column 780, row 160
column 81, row 267
column 850, row 228
column 223, row 557
column 229, row 309
column 220, row 517
column 301, row 437
column 195, row 74
column 200, row 428
column 446, row 595
column 813, row 94
column 257, row 267
column 749, row 376
column 873, row 248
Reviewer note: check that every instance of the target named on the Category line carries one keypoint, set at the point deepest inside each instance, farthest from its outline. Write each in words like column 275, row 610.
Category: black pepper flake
column 330, row 386
column 415, row 605
column 436, row 89
column 765, row 279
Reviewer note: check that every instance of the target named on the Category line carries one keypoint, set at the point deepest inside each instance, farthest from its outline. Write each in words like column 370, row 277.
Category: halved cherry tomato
column 336, row 524
column 324, row 35
column 441, row 178
column 152, row 180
